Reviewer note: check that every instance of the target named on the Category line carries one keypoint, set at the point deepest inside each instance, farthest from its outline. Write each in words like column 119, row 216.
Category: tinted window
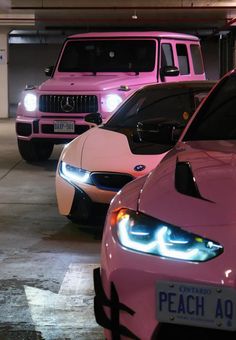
column 216, row 120
column 182, row 54
column 108, row 56
column 197, row 59
column 166, row 55
column 162, row 103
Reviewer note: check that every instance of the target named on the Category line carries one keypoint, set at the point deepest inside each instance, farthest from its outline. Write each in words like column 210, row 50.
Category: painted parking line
column 70, row 311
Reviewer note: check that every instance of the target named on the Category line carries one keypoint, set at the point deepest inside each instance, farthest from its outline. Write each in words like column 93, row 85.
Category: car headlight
column 146, row 234
column 30, row 102
column 111, row 101
column 74, row 175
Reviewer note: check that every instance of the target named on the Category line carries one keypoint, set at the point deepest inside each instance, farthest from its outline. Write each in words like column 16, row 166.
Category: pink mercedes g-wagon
column 95, row 72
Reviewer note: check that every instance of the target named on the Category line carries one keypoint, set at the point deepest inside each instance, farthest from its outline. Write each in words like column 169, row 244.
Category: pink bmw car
column 168, row 258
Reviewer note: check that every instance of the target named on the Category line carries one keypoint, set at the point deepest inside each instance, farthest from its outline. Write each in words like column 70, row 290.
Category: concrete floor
column 46, row 262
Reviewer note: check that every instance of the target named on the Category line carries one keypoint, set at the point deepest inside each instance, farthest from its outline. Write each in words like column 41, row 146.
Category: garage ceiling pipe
column 212, row 6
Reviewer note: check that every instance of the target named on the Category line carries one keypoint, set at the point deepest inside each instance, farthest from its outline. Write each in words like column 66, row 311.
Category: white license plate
column 196, row 305
column 64, row 126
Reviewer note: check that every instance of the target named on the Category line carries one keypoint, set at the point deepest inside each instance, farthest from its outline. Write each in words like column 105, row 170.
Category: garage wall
column 210, row 50
column 26, row 66
column 27, row 63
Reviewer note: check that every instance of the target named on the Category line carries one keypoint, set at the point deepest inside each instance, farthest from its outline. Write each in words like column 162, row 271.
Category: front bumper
column 133, row 277
column 88, row 198
column 28, row 128
column 67, row 198
column 85, row 208
column 122, row 322
column 115, row 307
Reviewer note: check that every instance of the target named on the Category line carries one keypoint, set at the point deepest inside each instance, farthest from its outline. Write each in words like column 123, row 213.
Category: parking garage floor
column 46, row 261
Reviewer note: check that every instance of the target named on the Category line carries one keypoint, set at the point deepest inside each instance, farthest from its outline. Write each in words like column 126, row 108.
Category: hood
column 109, row 151
column 93, row 82
column 195, row 185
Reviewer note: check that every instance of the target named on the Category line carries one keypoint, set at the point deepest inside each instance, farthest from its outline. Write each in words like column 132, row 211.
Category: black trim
column 82, row 205
column 157, row 333
column 101, row 300
column 23, row 129
column 54, row 140
column 56, row 117
column 110, row 181
column 185, row 182
column 84, row 209
column 158, row 59
column 36, row 126
column 75, row 103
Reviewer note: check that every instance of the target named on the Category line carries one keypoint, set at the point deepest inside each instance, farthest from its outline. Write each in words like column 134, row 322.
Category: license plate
column 64, row 126
column 196, row 305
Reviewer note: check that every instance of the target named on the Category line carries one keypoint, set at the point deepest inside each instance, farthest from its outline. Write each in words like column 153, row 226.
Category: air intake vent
column 110, row 181
column 184, row 180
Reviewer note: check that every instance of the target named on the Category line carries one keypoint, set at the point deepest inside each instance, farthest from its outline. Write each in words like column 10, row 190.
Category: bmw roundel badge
column 139, row 167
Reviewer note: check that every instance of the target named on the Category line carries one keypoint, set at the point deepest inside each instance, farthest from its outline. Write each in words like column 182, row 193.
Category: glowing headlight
column 146, row 234
column 73, row 174
column 30, row 102
column 112, row 101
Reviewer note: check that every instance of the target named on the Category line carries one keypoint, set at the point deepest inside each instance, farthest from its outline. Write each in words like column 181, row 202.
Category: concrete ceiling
column 199, row 17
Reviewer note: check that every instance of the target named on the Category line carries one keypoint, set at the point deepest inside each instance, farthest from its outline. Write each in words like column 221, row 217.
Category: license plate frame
column 196, row 305
column 64, row 126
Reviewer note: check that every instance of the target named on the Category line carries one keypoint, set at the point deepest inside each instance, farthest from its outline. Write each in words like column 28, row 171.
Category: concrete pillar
column 3, row 73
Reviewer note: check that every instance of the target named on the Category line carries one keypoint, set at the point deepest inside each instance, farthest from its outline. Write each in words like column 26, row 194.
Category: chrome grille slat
column 81, row 103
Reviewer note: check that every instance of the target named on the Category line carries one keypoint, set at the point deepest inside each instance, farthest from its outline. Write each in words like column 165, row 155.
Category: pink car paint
column 95, row 72
column 193, row 189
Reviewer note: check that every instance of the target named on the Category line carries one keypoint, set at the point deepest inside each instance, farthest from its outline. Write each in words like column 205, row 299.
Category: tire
column 35, row 151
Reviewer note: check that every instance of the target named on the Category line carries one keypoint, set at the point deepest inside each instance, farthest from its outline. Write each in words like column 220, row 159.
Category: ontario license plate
column 64, row 126
column 196, row 305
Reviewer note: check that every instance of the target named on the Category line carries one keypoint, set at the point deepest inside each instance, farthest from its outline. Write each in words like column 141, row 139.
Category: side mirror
column 94, row 118
column 169, row 71
column 49, row 71
column 159, row 132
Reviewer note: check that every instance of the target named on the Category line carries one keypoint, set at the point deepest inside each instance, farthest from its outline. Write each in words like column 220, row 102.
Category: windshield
column 108, row 56
column 216, row 119
column 172, row 102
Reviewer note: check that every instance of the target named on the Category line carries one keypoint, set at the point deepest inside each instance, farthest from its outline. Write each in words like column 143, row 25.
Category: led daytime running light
column 73, row 174
column 146, row 234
